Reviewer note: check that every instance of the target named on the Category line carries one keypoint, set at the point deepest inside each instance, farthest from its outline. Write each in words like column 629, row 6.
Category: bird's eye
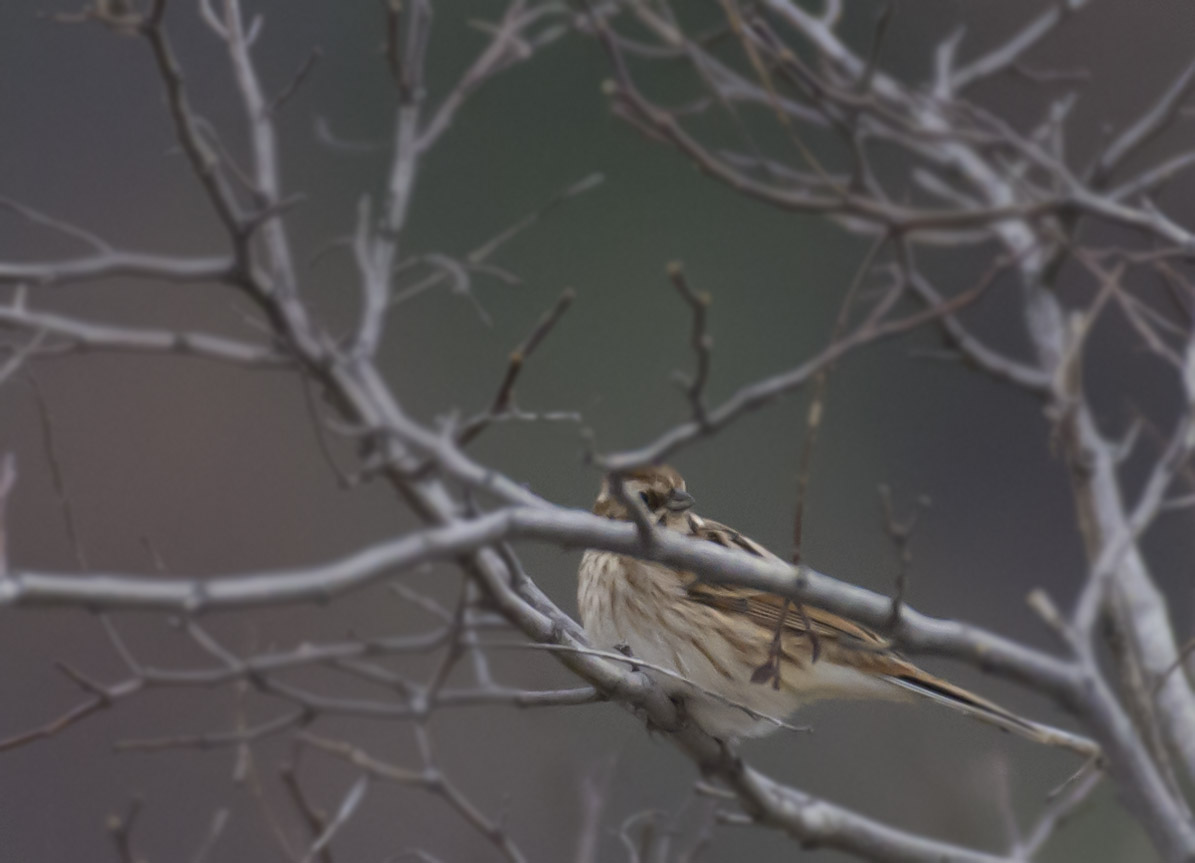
column 646, row 498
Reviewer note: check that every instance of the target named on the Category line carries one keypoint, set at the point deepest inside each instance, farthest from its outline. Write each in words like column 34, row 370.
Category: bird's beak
column 679, row 500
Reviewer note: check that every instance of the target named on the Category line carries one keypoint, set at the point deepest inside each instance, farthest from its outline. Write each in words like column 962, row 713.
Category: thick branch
column 573, row 528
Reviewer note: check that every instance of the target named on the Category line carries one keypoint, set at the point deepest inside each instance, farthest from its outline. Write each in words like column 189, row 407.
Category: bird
column 741, row 660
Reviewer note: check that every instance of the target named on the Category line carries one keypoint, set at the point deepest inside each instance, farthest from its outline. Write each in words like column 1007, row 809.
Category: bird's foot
column 729, row 756
column 625, row 650
column 682, row 711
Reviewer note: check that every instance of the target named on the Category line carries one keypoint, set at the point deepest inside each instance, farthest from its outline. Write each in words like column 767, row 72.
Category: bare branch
column 562, row 527
column 297, row 80
column 1065, row 804
column 761, row 393
column 218, row 739
column 316, row 820
column 8, row 482
column 701, row 340
column 57, row 473
column 431, row 780
column 1146, row 128
column 636, row 663
column 214, row 832
column 81, row 335
column 204, row 162
column 503, row 401
column 510, row 45
column 58, row 225
column 1009, row 54
column 71, row 717
column 817, row 402
column 116, row 264
column 348, row 806
column 487, row 249
column 120, row 828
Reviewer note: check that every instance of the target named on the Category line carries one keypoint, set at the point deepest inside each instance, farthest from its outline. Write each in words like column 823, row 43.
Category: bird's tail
column 936, row 689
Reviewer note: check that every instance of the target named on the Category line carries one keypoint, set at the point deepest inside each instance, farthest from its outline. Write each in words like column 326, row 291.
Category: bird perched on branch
column 747, row 658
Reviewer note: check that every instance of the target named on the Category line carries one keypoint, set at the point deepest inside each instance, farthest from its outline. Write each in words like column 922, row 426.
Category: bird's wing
column 766, row 608
column 864, row 649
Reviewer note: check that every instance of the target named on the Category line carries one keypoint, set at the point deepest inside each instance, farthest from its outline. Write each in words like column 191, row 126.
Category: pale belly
column 643, row 607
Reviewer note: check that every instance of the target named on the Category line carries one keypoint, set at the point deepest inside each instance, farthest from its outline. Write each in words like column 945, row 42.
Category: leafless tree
column 922, row 169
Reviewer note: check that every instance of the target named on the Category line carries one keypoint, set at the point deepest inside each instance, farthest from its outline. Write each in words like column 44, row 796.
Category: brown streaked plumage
column 752, row 648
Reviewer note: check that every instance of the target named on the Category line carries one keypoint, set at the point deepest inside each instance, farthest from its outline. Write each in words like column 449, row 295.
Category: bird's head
column 659, row 489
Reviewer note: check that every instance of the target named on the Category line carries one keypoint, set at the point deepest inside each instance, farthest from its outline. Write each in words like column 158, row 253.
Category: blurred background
column 216, row 470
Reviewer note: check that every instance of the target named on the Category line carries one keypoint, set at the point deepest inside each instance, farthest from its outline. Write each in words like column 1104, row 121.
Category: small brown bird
column 738, row 647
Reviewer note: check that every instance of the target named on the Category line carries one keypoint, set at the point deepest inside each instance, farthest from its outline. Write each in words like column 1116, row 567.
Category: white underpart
column 611, row 594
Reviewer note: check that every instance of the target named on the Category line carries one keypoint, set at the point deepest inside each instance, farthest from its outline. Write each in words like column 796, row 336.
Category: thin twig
column 56, row 473
column 635, row 662
column 504, row 399
column 8, row 482
column 700, row 339
column 900, row 533
column 120, row 829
